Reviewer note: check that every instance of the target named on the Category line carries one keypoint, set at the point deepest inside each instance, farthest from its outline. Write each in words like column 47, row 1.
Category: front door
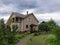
column 31, row 28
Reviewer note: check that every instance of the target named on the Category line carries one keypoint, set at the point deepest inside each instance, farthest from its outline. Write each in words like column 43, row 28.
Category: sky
column 44, row 10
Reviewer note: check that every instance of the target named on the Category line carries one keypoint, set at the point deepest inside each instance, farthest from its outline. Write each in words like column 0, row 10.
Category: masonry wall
column 28, row 21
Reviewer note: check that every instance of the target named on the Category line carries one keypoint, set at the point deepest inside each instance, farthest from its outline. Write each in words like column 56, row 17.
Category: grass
column 52, row 40
column 18, row 37
column 42, row 39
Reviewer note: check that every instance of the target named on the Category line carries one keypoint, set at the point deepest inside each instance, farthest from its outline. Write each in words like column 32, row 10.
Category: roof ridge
column 18, row 13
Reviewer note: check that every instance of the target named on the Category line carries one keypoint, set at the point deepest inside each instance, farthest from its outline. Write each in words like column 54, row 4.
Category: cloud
column 48, row 6
column 5, row 17
column 40, row 6
column 44, row 9
column 47, row 16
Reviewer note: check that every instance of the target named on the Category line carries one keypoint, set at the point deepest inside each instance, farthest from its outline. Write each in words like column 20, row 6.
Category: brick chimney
column 27, row 12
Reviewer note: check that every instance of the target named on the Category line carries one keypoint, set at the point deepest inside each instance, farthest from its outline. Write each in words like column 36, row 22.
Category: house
column 25, row 22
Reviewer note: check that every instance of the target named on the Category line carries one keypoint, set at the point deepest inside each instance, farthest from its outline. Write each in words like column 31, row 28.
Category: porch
column 33, row 27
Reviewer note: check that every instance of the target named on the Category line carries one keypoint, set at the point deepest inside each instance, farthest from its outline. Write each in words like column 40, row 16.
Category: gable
column 35, row 18
column 14, row 14
column 10, row 19
column 32, row 16
column 31, row 19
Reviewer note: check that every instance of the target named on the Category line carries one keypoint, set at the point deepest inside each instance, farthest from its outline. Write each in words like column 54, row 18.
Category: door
column 31, row 29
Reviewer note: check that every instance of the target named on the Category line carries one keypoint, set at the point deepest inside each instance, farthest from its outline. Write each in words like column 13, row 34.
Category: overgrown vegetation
column 53, row 29
column 49, row 28
column 44, row 27
column 51, row 34
column 8, row 37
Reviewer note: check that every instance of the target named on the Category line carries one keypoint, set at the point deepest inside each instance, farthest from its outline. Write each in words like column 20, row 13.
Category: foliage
column 52, row 40
column 8, row 37
column 14, row 27
column 51, row 22
column 57, row 33
column 20, row 36
column 5, row 33
column 52, row 27
column 47, row 26
column 37, row 33
column 38, row 40
column 2, row 32
column 11, row 35
column 44, row 27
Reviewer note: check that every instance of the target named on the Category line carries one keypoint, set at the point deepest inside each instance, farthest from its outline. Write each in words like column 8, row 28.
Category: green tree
column 11, row 35
column 43, row 26
column 52, row 24
column 7, row 36
column 2, row 33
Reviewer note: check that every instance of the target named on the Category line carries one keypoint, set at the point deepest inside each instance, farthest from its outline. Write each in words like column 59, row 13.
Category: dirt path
column 24, row 40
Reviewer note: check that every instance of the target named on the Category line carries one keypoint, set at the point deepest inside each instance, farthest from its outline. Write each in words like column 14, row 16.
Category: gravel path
column 24, row 40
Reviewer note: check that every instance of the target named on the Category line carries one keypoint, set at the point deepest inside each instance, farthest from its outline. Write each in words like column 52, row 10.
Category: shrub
column 2, row 33
column 44, row 27
column 36, row 33
column 57, row 33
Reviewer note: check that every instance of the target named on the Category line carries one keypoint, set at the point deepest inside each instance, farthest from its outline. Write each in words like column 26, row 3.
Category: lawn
column 42, row 39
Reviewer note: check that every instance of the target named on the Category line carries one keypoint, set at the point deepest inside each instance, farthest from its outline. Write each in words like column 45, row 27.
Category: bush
column 36, row 33
column 44, row 27
column 57, row 33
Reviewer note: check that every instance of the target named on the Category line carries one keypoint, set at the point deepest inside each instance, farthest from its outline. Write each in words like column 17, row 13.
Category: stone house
column 24, row 22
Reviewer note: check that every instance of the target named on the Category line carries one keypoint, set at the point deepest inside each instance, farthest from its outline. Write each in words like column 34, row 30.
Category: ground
column 24, row 40
column 39, row 40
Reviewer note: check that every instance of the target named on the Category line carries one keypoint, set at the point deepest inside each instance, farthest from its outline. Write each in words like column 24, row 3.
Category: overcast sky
column 43, row 9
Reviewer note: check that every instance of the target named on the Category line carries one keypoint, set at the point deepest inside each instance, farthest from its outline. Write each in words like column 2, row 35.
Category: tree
column 11, row 35
column 2, row 33
column 51, row 22
column 14, row 27
column 43, row 26
column 6, row 36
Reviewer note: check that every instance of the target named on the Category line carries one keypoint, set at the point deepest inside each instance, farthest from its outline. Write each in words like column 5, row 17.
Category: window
column 16, row 19
column 26, row 26
column 13, row 20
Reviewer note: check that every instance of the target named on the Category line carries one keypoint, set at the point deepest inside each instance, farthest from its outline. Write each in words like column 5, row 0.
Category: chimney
column 27, row 12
